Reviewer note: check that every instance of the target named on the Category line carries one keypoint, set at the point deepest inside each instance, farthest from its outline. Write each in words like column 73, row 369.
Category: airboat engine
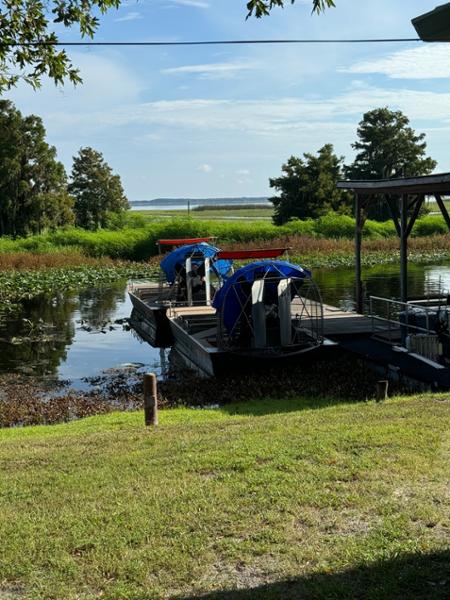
column 269, row 307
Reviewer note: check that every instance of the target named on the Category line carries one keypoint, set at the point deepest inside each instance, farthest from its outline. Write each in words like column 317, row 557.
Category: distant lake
column 181, row 204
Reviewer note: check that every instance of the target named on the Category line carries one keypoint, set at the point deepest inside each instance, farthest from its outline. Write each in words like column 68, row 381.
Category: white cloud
column 205, row 168
column 295, row 115
column 193, row 3
column 131, row 16
column 243, row 172
column 225, row 70
column 310, row 121
column 425, row 62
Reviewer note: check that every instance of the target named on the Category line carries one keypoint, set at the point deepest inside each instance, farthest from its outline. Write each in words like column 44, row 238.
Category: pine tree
column 97, row 191
column 387, row 148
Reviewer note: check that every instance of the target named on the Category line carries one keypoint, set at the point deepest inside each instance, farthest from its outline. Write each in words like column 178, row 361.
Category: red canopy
column 245, row 254
column 184, row 241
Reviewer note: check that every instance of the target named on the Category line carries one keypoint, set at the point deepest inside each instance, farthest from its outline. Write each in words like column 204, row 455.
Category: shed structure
column 405, row 197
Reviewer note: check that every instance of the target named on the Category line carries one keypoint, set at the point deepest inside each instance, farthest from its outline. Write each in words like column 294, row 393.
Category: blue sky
column 219, row 121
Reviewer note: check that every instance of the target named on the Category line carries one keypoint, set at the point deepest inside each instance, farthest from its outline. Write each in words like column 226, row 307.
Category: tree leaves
column 387, row 148
column 262, row 8
column 33, row 184
column 97, row 190
column 308, row 187
column 27, row 46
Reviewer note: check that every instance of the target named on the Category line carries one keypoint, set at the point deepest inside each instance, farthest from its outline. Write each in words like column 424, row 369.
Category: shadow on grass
column 275, row 405
column 408, row 577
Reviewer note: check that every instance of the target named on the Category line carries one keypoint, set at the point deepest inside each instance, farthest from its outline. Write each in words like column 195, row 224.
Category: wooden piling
column 382, row 390
column 150, row 399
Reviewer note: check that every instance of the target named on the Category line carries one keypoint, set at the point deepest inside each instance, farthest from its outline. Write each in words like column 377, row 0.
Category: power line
column 217, row 42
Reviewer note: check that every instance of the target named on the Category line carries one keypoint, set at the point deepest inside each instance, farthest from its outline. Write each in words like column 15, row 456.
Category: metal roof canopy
column 434, row 26
column 405, row 197
column 426, row 184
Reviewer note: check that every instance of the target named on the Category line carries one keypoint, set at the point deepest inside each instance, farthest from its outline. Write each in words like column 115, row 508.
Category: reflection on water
column 338, row 286
column 73, row 335
column 77, row 335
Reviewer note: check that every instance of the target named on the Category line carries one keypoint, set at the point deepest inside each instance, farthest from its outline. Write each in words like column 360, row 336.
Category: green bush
column 335, row 226
column 430, row 225
column 377, row 229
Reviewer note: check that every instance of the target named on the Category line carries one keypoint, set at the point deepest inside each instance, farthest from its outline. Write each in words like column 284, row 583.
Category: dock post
column 150, row 400
column 358, row 240
column 382, row 390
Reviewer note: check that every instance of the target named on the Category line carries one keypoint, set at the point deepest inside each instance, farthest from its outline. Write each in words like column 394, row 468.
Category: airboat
column 190, row 276
column 265, row 312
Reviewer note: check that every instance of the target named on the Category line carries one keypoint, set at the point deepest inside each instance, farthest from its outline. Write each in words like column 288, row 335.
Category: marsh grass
column 139, row 244
column 291, row 498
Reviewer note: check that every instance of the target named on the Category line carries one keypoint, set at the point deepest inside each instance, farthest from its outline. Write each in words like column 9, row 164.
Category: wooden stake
column 382, row 390
column 150, row 399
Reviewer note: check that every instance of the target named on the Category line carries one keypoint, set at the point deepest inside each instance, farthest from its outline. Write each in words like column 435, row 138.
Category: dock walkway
column 338, row 322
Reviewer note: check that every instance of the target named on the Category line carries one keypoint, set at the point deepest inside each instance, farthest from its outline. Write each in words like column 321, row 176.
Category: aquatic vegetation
column 29, row 400
column 19, row 283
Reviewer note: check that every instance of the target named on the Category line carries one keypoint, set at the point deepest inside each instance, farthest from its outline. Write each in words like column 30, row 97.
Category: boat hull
column 150, row 322
column 210, row 361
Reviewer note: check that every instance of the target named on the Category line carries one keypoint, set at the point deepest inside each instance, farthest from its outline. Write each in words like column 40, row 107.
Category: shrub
column 335, row 226
column 430, row 225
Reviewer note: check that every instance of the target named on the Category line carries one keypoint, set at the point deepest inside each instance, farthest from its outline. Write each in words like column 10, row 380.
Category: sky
column 218, row 121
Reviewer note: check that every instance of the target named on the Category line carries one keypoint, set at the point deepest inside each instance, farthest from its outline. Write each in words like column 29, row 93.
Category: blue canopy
column 171, row 263
column 233, row 295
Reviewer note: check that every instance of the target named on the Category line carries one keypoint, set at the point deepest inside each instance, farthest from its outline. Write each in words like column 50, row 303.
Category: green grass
column 220, row 214
column 269, row 499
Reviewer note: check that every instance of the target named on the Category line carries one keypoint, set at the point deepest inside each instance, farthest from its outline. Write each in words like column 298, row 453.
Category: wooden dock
column 337, row 322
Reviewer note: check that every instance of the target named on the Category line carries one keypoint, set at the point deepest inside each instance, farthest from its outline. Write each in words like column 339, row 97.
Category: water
column 338, row 285
column 72, row 336
column 194, row 203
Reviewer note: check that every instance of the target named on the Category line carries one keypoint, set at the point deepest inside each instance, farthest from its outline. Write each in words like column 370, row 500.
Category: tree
column 261, row 8
column 97, row 191
column 28, row 49
column 33, row 184
column 387, row 148
column 308, row 187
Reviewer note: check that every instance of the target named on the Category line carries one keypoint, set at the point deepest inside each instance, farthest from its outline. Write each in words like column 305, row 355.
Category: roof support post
column 404, row 248
column 443, row 209
column 358, row 241
column 416, row 205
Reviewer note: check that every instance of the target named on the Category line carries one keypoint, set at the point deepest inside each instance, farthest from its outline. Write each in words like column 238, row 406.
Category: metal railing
column 393, row 309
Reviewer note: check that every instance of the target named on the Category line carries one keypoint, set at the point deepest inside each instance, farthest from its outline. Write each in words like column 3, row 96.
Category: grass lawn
column 275, row 499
